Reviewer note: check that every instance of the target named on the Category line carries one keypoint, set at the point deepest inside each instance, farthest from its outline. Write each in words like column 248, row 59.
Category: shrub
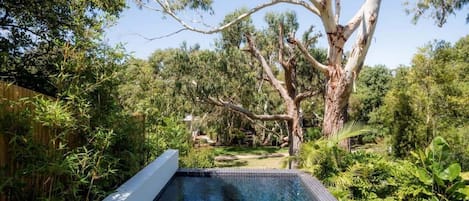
column 198, row 158
column 440, row 177
column 369, row 176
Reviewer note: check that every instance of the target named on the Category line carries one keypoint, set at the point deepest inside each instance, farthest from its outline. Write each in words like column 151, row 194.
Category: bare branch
column 316, row 64
column 307, row 94
column 160, row 37
column 247, row 113
column 267, row 69
column 166, row 8
column 281, row 47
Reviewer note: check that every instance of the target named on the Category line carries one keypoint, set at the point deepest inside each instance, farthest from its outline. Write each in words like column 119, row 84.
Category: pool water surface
column 235, row 188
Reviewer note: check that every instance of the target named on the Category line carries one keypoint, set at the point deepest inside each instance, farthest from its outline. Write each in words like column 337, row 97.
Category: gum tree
column 340, row 73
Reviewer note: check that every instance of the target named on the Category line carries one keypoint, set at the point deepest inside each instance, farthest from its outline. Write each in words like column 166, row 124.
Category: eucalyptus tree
column 340, row 74
column 257, row 78
column 268, row 53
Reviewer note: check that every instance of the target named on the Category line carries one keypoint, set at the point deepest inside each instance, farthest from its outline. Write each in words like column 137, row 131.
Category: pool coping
column 315, row 187
column 150, row 181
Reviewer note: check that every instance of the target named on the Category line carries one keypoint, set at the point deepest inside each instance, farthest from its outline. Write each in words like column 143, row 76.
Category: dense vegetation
column 111, row 114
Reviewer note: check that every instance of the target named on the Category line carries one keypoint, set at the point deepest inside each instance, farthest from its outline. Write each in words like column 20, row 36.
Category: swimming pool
column 242, row 185
column 163, row 180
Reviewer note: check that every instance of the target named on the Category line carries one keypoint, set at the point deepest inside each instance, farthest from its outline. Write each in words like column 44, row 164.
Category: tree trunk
column 295, row 138
column 336, row 105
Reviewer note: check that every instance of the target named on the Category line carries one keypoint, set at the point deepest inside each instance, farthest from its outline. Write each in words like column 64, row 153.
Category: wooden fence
column 10, row 106
column 10, row 93
column 42, row 135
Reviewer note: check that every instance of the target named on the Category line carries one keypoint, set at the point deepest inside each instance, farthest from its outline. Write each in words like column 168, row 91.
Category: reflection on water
column 235, row 188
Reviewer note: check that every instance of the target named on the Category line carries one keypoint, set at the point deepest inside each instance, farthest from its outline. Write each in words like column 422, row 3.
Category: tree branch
column 327, row 16
column 307, row 94
column 316, row 64
column 281, row 46
column 318, row 4
column 354, row 22
column 267, row 69
column 36, row 33
column 360, row 48
column 247, row 113
column 144, row 5
column 160, row 37
column 337, row 11
column 166, row 8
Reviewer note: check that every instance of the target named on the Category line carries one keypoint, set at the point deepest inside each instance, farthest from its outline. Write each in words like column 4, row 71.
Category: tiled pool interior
column 242, row 185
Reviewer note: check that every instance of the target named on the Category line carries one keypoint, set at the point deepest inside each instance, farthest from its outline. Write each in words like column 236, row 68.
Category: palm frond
column 349, row 130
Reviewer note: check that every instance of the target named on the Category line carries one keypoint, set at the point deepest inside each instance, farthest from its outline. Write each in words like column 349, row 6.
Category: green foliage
column 440, row 9
column 233, row 36
column 312, row 134
column 198, row 158
column 439, row 176
column 229, row 73
column 204, row 5
column 368, row 176
column 31, row 39
column 94, row 145
column 372, row 85
column 458, row 140
column 171, row 134
column 52, row 113
column 84, row 167
column 426, row 99
column 323, row 157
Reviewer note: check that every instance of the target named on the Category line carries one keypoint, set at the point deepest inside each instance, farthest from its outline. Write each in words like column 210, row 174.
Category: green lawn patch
column 262, row 163
column 239, row 150
column 250, row 157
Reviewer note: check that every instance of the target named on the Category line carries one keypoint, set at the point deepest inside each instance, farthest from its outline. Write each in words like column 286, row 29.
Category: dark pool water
column 235, row 188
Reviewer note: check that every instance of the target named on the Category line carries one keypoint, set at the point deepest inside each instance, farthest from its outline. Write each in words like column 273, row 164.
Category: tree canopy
column 30, row 39
column 440, row 10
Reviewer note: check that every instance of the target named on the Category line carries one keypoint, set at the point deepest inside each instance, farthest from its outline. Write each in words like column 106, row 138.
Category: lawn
column 228, row 150
column 249, row 157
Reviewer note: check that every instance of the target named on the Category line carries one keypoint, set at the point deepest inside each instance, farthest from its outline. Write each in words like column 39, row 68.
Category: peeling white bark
column 364, row 38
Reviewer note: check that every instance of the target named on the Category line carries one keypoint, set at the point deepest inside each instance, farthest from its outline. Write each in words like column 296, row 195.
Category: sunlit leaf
column 451, row 173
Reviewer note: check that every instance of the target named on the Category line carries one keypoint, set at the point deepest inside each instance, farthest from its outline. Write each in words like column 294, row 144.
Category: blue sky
column 395, row 42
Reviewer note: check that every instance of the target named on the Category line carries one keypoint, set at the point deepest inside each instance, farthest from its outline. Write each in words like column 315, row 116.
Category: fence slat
column 41, row 134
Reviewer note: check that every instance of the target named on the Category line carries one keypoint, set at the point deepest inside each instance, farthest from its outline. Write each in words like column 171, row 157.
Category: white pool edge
column 146, row 184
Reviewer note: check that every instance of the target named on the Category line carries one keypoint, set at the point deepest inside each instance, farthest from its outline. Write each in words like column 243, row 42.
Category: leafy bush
column 368, row 176
column 458, row 140
column 441, row 178
column 168, row 133
column 198, row 158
